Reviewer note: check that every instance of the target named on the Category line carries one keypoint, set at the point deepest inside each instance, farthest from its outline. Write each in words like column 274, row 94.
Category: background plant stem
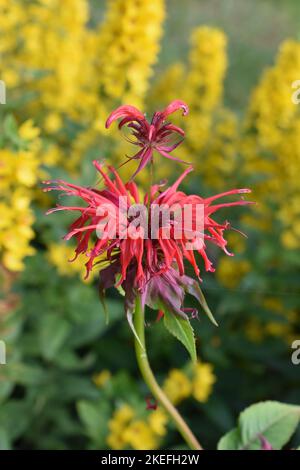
column 142, row 359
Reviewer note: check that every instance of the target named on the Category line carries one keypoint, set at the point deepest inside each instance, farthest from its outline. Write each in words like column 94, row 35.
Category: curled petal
column 174, row 106
column 126, row 112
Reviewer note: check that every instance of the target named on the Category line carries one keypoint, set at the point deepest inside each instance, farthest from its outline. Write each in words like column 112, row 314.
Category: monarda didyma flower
column 145, row 256
column 150, row 136
column 145, row 241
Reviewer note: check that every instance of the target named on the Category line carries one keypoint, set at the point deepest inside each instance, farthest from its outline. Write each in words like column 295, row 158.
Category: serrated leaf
column 182, row 330
column 275, row 421
column 230, row 441
column 194, row 289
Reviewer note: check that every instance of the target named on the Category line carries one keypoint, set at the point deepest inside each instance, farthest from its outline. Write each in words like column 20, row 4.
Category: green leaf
column 182, row 330
column 194, row 289
column 15, row 417
column 11, row 130
column 53, row 333
column 94, row 416
column 4, row 440
column 10, row 126
column 25, row 374
column 273, row 420
column 230, row 441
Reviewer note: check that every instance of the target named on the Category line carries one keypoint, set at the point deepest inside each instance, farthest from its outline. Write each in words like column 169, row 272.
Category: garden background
column 71, row 381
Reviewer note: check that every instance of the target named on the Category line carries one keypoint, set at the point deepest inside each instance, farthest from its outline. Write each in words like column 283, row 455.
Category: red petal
column 174, row 106
column 125, row 111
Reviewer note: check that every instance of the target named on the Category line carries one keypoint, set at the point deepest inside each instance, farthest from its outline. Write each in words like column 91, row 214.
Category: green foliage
column 57, row 337
column 183, row 331
column 276, row 422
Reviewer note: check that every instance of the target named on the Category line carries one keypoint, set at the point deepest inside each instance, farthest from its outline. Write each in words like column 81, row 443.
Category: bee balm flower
column 150, row 136
column 146, row 259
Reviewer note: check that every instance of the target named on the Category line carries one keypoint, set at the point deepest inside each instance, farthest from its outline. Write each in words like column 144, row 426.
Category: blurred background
column 71, row 382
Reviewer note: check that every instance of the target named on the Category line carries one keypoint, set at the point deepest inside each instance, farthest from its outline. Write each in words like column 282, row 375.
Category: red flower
column 145, row 258
column 150, row 136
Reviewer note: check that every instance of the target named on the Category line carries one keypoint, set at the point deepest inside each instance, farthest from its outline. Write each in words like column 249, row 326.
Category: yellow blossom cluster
column 177, row 386
column 127, row 430
column 58, row 254
column 69, row 71
column 19, row 171
column 49, row 52
column 271, row 146
column 284, row 324
column 203, row 381
column 197, row 382
column 128, row 42
column 230, row 272
column 211, row 130
column 128, row 46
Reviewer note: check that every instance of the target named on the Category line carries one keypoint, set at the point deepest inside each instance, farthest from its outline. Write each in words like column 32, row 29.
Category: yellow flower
column 124, row 414
column 272, row 147
column 101, row 378
column 117, row 426
column 126, row 58
column 140, row 436
column 115, row 442
column 203, row 381
column 28, row 131
column 231, row 272
column 177, row 386
column 53, row 122
column 19, row 172
column 158, row 421
column 60, row 255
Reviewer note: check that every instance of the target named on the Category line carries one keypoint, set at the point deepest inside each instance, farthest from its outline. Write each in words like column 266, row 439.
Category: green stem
column 142, row 359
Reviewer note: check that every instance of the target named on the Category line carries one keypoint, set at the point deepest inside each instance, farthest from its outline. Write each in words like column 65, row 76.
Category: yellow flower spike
column 136, row 22
column 276, row 121
column 19, row 173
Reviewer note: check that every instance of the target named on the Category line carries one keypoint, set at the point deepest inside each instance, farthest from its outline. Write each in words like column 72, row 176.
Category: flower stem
column 142, row 359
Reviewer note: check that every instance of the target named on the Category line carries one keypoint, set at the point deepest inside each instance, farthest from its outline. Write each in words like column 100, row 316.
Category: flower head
column 150, row 136
column 145, row 251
